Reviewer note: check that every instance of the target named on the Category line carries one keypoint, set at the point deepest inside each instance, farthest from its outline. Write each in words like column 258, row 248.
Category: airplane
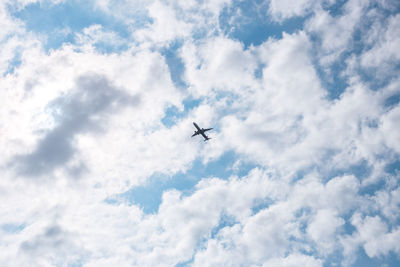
column 201, row 131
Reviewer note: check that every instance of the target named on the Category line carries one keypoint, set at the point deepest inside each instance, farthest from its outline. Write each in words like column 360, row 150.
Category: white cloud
column 388, row 202
column 323, row 228
column 278, row 229
column 165, row 27
column 390, row 122
column 375, row 237
column 336, row 32
column 96, row 119
column 281, row 10
column 96, row 35
column 157, row 23
column 218, row 65
column 15, row 41
column 281, row 106
column 294, row 260
column 384, row 53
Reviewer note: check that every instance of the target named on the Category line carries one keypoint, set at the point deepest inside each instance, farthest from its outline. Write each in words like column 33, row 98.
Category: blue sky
column 99, row 166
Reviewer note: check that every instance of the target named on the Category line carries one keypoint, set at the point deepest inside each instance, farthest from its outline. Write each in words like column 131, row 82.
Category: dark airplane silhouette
column 201, row 131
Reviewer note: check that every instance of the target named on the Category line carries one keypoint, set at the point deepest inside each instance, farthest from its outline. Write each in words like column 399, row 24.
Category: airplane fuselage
column 201, row 131
column 197, row 126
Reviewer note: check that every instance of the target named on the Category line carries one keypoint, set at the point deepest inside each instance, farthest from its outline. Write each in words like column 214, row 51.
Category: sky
column 98, row 165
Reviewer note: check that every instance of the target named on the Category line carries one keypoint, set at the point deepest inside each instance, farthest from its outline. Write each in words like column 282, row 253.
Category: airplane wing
column 196, row 133
column 205, row 130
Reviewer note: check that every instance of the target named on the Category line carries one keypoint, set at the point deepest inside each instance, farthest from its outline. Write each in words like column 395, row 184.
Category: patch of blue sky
column 361, row 170
column 228, row 102
column 59, row 22
column 260, row 204
column 175, row 63
column 224, row 221
column 333, row 260
column 248, row 22
column 377, row 79
column 372, row 123
column 371, row 189
column 392, row 100
column 335, row 9
column 110, row 47
column 244, row 167
column 335, row 82
column 258, row 72
column 191, row 103
column 149, row 195
column 374, row 76
column 14, row 63
column 332, row 79
column 387, row 7
column 75, row 264
column 185, row 263
column 348, row 227
column 173, row 114
column 336, row 258
column 363, row 260
column 325, row 169
column 393, row 168
column 12, row 228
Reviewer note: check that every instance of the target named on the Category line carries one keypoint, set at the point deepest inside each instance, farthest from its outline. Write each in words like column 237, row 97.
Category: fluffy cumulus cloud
column 98, row 165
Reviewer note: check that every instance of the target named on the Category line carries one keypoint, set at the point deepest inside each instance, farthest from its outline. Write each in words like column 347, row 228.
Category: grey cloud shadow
column 52, row 237
column 53, row 243
column 84, row 110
